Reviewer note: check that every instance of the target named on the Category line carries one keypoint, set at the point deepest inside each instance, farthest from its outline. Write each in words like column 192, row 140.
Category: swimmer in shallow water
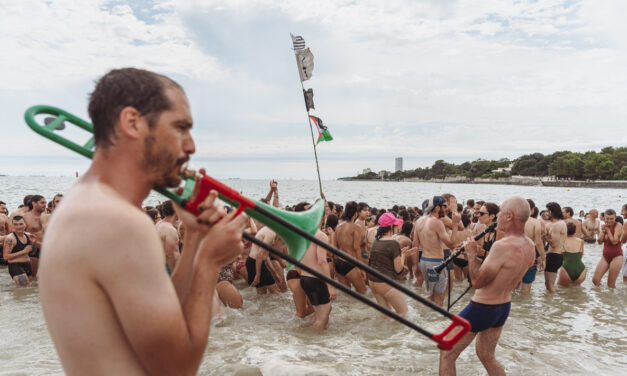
column 318, row 292
column 612, row 259
column 351, row 239
column 17, row 246
column 555, row 237
column 533, row 230
column 494, row 280
column 573, row 271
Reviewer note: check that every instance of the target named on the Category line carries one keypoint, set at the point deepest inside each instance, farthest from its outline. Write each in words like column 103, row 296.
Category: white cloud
column 55, row 44
column 421, row 79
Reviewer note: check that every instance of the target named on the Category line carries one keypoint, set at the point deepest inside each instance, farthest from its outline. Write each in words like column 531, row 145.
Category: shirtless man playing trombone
column 109, row 304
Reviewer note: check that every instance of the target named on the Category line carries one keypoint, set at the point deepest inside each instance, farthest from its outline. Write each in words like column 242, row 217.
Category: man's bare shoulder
column 94, row 215
column 434, row 225
column 508, row 243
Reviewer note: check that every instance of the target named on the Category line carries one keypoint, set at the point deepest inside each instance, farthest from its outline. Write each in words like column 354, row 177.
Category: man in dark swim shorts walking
column 494, row 279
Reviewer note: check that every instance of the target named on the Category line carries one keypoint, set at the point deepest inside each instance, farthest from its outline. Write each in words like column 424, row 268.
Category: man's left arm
column 481, row 274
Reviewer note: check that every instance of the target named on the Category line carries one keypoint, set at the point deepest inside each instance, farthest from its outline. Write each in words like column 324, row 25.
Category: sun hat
column 388, row 219
column 431, row 204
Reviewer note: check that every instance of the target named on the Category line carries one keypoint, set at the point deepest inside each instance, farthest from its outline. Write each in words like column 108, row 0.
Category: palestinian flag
column 323, row 132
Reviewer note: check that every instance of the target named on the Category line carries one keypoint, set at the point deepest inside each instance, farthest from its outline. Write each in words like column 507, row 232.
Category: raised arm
column 274, row 187
column 447, row 239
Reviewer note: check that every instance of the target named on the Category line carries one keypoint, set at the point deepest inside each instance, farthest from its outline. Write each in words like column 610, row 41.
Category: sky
column 422, row 80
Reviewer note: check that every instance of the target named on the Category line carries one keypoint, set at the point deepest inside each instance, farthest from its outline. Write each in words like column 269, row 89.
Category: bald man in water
column 494, row 280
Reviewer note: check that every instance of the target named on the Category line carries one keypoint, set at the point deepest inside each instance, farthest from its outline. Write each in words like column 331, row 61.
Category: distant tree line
column 609, row 164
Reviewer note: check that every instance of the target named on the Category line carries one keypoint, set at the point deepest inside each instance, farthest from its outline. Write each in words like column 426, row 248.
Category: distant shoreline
column 524, row 181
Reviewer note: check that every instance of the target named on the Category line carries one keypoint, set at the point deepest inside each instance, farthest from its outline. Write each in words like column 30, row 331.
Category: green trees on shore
column 609, row 164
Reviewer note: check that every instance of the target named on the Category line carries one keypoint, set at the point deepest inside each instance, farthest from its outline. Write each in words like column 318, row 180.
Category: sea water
column 577, row 331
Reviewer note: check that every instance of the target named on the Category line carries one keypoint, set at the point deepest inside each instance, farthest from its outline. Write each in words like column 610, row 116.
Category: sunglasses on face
column 481, row 214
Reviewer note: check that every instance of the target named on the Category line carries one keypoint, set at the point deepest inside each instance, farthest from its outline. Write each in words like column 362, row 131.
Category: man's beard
column 161, row 164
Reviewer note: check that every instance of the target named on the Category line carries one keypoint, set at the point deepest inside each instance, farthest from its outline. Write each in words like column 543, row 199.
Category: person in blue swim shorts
column 494, row 279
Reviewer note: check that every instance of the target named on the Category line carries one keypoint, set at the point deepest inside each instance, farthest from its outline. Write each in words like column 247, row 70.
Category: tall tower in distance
column 398, row 165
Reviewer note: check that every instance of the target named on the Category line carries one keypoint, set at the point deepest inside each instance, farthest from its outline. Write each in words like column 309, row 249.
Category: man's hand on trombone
column 219, row 234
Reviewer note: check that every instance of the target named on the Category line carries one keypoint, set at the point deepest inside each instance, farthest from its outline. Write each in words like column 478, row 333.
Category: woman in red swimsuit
column 612, row 259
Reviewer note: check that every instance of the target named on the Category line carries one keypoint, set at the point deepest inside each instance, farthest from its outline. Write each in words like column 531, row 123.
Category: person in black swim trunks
column 17, row 246
column 533, row 230
column 555, row 236
column 319, row 293
column 494, row 280
column 351, row 239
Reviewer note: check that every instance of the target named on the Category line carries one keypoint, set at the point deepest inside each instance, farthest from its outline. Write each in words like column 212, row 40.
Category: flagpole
column 313, row 143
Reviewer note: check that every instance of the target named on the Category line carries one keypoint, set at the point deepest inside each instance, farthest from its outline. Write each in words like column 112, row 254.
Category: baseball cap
column 388, row 219
column 430, row 204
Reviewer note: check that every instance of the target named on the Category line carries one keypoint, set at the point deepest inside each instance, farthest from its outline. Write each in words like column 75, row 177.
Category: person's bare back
column 556, row 231
column 348, row 236
column 106, row 265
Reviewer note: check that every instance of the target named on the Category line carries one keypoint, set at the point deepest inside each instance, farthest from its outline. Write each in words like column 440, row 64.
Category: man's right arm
column 447, row 239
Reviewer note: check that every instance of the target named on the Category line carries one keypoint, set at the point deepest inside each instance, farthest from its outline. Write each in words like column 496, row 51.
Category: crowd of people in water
column 391, row 240
column 405, row 243
column 402, row 244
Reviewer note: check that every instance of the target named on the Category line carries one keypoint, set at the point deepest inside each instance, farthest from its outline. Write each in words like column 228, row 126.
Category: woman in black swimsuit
column 487, row 215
